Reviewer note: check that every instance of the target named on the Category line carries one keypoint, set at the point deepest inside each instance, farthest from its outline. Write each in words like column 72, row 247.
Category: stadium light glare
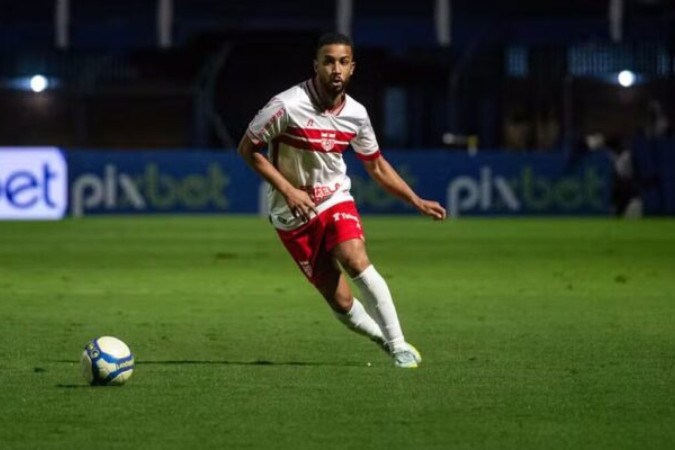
column 626, row 78
column 38, row 83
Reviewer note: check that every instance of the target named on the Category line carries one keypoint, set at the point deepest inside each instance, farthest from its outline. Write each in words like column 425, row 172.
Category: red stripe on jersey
column 332, row 147
column 371, row 157
column 316, row 133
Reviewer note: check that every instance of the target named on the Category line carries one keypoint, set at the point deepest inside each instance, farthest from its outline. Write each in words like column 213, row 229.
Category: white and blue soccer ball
column 107, row 361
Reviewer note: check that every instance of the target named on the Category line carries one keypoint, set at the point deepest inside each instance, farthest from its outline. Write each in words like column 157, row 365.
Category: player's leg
column 346, row 242
column 353, row 258
column 306, row 247
column 335, row 289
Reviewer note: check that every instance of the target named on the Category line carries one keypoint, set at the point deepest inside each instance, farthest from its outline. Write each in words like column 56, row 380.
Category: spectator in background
column 547, row 131
column 658, row 123
column 626, row 199
column 518, row 133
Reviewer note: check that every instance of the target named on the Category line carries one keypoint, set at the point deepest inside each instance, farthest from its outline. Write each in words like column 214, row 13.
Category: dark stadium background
column 516, row 77
column 527, row 61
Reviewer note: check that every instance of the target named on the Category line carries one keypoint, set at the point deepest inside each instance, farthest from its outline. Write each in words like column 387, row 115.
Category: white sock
column 376, row 295
column 358, row 320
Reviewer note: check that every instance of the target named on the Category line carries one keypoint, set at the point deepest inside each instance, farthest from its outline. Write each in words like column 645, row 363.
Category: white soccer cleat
column 404, row 359
column 415, row 352
column 406, row 348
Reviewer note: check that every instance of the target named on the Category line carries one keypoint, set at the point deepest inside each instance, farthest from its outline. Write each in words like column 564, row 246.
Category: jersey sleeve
column 365, row 143
column 270, row 121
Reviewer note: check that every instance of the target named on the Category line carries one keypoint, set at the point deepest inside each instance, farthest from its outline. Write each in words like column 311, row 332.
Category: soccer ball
column 107, row 361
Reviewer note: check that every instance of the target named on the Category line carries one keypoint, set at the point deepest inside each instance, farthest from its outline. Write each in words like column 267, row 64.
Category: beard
column 335, row 87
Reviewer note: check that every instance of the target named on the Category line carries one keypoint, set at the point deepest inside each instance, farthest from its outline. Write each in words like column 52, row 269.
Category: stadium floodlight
column 38, row 83
column 626, row 78
column 32, row 83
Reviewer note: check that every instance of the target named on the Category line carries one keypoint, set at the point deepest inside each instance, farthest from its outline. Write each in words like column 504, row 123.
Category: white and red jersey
column 306, row 143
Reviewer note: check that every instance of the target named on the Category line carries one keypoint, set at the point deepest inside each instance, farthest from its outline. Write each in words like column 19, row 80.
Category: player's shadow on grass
column 258, row 362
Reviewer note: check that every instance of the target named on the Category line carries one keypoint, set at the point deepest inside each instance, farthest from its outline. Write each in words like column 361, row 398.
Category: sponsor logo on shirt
column 269, row 126
column 320, row 193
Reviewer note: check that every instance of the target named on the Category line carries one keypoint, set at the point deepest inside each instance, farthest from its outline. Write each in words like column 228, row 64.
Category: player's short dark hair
column 333, row 38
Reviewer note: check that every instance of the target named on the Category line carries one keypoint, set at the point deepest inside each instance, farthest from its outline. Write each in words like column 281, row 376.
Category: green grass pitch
column 536, row 334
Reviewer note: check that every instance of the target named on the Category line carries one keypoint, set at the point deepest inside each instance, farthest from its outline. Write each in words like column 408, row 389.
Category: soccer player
column 306, row 128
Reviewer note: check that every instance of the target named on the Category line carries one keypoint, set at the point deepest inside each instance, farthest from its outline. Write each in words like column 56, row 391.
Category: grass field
column 536, row 334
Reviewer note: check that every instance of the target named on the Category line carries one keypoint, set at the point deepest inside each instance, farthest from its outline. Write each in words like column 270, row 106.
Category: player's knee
column 341, row 304
column 352, row 256
column 355, row 264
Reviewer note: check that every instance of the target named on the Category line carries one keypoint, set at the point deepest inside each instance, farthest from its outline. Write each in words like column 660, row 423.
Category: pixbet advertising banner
column 33, row 183
column 494, row 184
column 145, row 182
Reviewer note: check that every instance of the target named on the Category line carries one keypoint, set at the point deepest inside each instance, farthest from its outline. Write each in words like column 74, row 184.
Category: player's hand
column 432, row 209
column 301, row 205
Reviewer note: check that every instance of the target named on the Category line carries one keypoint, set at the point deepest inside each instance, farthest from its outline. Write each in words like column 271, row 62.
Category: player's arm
column 387, row 177
column 299, row 202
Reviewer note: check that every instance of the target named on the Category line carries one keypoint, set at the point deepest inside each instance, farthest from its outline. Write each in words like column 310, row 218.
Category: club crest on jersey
column 327, row 141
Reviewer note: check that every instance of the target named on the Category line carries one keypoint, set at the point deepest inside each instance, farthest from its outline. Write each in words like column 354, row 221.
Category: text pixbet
column 149, row 190
column 526, row 192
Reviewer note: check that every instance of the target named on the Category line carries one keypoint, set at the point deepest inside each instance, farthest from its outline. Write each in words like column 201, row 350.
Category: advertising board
column 33, row 183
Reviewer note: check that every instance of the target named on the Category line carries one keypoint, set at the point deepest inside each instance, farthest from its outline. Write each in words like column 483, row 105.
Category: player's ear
column 351, row 71
column 316, row 66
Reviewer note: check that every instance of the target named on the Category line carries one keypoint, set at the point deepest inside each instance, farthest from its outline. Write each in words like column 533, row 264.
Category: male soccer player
column 306, row 128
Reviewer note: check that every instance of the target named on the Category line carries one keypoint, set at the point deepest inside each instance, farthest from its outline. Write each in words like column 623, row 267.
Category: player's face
column 334, row 66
